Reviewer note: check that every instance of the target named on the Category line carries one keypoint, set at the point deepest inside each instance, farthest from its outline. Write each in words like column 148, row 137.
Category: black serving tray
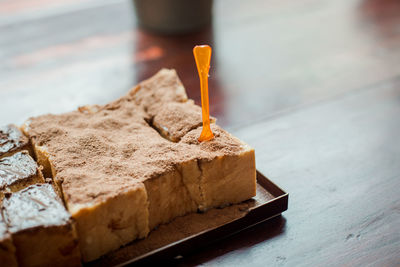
column 187, row 233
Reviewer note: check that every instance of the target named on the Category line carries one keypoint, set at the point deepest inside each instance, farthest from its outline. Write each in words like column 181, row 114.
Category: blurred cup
column 173, row 16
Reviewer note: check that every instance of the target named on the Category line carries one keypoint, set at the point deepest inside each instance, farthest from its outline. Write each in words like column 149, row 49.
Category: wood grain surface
column 313, row 85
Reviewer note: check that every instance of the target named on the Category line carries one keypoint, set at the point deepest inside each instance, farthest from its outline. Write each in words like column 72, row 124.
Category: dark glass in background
column 173, row 16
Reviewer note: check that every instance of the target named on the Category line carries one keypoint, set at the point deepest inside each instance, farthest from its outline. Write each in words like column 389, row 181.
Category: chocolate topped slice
column 7, row 249
column 35, row 206
column 41, row 228
column 17, row 172
column 12, row 140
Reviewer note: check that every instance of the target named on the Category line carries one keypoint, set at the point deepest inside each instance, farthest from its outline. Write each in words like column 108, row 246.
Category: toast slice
column 41, row 228
column 17, row 172
column 12, row 141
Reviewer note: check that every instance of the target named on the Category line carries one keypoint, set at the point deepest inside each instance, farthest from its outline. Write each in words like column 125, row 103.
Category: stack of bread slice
column 123, row 168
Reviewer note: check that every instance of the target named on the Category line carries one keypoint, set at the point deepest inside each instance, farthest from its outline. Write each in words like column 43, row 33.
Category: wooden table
column 314, row 86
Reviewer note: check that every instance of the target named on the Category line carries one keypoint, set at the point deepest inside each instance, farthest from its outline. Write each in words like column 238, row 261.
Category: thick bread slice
column 122, row 173
column 42, row 230
column 39, row 151
column 168, row 198
column 17, row 172
column 227, row 177
column 12, row 141
column 110, row 209
column 107, row 225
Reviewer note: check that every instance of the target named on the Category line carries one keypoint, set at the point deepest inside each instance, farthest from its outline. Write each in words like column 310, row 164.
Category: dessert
column 7, row 249
column 17, row 172
column 128, row 166
column 41, row 228
column 12, row 141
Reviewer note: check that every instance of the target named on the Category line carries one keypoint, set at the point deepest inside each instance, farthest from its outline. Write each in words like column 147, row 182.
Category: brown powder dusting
column 222, row 144
column 173, row 120
column 164, row 87
column 101, row 152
